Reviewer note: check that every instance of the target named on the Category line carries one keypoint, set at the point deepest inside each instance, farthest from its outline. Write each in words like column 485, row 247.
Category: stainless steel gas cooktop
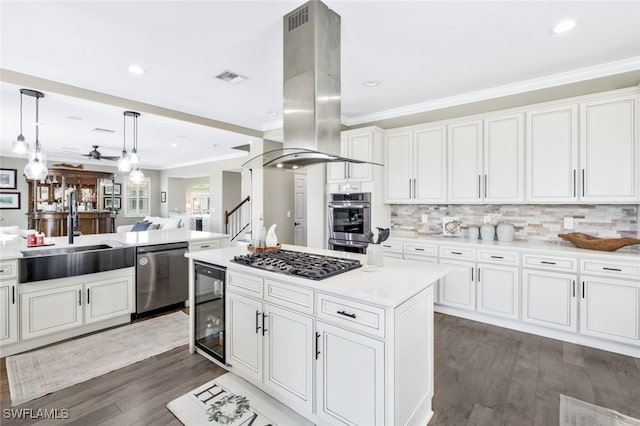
column 307, row 265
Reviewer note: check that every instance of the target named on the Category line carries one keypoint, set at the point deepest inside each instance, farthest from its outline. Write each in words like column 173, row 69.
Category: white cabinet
column 350, row 379
column 8, row 301
column 415, row 169
column 244, row 351
column 503, row 159
column 457, row 288
column 108, row 299
column 609, row 149
column 207, row 244
column 552, row 154
column 498, row 290
column 52, row 310
column 550, row 299
column 465, row 162
column 359, row 145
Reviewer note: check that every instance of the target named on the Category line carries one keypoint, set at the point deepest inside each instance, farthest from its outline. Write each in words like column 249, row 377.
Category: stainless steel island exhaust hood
column 311, row 90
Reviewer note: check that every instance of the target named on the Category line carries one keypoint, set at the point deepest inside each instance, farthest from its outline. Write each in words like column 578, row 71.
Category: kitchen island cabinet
column 8, row 305
column 355, row 348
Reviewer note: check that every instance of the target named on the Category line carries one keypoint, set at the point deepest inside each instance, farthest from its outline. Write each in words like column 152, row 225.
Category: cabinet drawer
column 245, row 284
column 289, row 296
column 612, row 269
column 458, row 253
column 9, row 269
column 502, row 257
column 392, row 247
column 350, row 314
column 203, row 245
column 421, row 249
column 550, row 262
column 421, row 258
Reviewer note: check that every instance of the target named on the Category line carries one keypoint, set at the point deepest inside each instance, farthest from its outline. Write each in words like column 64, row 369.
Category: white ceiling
column 426, row 54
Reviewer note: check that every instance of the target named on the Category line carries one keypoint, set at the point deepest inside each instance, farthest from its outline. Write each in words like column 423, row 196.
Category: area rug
column 34, row 374
column 231, row 401
column 574, row 412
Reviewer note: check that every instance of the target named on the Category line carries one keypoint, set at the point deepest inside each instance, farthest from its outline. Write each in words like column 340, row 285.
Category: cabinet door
column 430, row 171
column 549, row 299
column 552, row 154
column 49, row 311
column 503, row 179
column 8, row 312
column 350, row 380
column 608, row 150
column 245, row 326
column 610, row 308
column 288, row 354
column 465, row 162
column 361, row 148
column 108, row 299
column 498, row 290
column 457, row 288
column 337, row 172
column 398, row 173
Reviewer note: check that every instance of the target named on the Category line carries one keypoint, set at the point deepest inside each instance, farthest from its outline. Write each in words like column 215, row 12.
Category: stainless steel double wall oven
column 349, row 218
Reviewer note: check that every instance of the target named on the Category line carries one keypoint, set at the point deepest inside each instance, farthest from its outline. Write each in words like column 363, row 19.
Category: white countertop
column 561, row 248
column 390, row 285
column 12, row 249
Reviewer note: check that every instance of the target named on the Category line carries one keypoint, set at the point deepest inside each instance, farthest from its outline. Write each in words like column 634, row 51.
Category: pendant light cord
column 21, row 112
column 37, row 127
column 124, row 133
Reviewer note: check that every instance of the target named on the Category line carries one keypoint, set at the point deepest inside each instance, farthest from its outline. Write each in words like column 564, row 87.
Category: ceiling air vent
column 299, row 17
column 100, row 130
column 231, row 77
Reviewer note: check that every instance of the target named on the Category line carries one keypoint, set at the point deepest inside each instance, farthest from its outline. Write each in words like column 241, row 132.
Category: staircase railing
column 238, row 219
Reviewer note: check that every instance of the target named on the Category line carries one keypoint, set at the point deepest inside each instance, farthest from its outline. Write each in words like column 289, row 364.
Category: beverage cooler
column 209, row 310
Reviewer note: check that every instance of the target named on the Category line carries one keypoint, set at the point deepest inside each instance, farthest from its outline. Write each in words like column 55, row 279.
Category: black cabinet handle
column 2, row 271
column 415, row 189
column 574, row 182
column 583, row 182
column 346, row 314
column 455, row 252
column 583, row 289
column 13, row 294
column 497, row 257
column 264, row 327
column 472, row 274
column 257, row 316
column 207, row 246
column 79, row 297
column 574, row 288
column 479, row 178
column 88, row 296
column 485, row 186
column 317, row 345
column 612, row 269
column 478, row 274
column 547, row 263
column 386, row 246
column 418, row 249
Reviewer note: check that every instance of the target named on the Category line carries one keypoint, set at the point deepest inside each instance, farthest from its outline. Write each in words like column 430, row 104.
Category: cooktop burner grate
column 307, row 265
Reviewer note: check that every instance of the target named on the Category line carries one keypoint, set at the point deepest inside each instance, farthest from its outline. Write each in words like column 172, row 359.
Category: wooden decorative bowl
column 586, row 241
column 254, row 249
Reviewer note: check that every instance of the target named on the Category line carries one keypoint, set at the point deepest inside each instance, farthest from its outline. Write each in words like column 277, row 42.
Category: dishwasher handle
column 162, row 247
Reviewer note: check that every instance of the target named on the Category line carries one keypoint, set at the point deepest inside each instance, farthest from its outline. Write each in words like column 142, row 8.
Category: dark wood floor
column 485, row 375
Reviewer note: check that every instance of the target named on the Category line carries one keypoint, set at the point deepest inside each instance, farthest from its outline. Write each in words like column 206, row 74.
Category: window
column 200, row 200
column 137, row 198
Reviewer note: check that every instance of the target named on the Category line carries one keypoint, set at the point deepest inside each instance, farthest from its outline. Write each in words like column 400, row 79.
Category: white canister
column 474, row 232
column 505, row 232
column 375, row 255
column 488, row 232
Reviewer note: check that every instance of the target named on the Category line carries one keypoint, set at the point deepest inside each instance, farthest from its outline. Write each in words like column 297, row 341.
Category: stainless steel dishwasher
column 162, row 276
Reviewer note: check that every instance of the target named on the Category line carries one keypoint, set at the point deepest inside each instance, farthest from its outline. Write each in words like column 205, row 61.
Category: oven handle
column 357, row 206
column 349, row 244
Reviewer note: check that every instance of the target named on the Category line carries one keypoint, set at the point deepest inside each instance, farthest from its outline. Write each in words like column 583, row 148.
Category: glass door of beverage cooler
column 209, row 310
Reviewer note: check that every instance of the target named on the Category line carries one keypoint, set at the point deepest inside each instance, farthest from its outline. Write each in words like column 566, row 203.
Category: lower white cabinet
column 457, row 288
column 349, row 377
column 550, row 299
column 8, row 311
column 498, row 290
column 58, row 307
column 245, row 346
column 610, row 308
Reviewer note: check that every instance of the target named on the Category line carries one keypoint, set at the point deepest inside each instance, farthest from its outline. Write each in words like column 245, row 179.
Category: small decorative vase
column 487, row 232
column 375, row 255
column 271, row 240
column 505, row 232
column 474, row 232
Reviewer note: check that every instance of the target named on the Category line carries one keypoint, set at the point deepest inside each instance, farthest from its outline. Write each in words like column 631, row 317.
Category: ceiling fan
column 97, row 155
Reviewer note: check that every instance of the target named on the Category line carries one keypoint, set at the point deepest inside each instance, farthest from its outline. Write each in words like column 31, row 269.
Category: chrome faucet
column 72, row 218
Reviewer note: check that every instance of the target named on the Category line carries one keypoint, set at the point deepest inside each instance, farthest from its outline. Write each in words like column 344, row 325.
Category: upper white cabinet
column 465, row 162
column 608, row 149
column 416, row 165
column 552, row 154
column 359, row 145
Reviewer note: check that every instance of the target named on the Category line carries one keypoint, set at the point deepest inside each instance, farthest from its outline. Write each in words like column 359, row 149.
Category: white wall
column 176, row 196
column 231, row 190
column 317, row 206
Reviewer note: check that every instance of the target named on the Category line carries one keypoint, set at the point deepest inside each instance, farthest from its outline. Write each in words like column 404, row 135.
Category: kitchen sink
column 47, row 264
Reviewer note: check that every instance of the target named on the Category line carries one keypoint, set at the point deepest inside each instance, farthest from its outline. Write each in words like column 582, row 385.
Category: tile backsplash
column 540, row 222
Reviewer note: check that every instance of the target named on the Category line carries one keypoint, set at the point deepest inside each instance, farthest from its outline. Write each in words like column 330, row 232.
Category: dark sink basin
column 47, row 264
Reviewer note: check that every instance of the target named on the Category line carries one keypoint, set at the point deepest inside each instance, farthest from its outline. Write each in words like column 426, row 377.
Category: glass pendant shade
column 20, row 146
column 124, row 164
column 134, row 157
column 136, row 176
column 36, row 168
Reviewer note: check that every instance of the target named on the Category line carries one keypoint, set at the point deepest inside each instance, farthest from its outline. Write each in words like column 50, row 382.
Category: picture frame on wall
column 114, row 189
column 10, row 200
column 163, row 197
column 8, row 179
column 116, row 203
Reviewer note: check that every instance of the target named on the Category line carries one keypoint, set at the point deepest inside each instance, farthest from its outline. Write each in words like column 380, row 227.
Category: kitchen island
column 354, row 348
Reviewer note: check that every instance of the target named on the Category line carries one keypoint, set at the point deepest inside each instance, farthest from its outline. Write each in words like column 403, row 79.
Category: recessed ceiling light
column 173, row 145
column 213, row 145
column 272, row 112
column 279, row 165
column 371, row 83
column 136, row 69
column 73, row 117
column 564, row 26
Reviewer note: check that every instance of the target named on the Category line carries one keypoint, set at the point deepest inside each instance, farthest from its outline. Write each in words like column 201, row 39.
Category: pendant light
column 20, row 146
column 136, row 175
column 36, row 168
column 124, row 164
